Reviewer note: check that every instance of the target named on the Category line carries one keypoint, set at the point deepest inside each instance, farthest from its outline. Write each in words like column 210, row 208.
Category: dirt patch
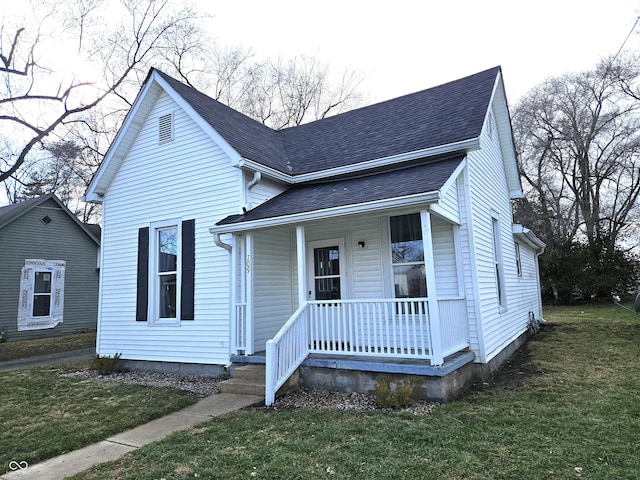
column 516, row 369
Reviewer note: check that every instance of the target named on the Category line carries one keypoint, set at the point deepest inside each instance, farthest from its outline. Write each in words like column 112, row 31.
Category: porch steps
column 246, row 380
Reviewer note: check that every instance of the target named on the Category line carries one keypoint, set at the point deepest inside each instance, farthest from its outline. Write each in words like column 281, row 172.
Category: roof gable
column 441, row 120
column 443, row 115
column 11, row 213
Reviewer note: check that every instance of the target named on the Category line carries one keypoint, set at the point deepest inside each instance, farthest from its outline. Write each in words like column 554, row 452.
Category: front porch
column 383, row 287
column 387, row 330
column 355, row 373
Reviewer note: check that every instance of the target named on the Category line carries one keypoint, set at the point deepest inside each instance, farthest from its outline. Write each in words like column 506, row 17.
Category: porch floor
column 407, row 366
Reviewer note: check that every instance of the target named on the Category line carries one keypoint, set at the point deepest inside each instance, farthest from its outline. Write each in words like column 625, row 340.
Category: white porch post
column 248, row 271
column 434, row 309
column 233, row 297
column 302, row 265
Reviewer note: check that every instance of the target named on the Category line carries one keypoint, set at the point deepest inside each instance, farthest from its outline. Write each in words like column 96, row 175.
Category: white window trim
column 153, row 302
column 498, row 266
column 342, row 261
column 518, row 259
column 26, row 319
column 401, row 264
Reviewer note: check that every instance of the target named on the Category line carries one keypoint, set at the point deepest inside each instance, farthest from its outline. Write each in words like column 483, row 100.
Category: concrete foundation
column 442, row 384
column 196, row 369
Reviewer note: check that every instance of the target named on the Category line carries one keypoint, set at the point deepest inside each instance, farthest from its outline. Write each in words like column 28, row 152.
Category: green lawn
column 43, row 346
column 44, row 415
column 570, row 410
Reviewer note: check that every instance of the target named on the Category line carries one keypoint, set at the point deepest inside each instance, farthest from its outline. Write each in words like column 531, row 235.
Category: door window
column 326, row 273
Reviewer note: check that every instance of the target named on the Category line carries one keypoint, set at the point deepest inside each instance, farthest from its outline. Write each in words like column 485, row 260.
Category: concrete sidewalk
column 50, row 359
column 114, row 447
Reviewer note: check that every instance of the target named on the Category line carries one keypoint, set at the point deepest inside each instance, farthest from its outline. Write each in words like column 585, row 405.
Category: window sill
column 164, row 323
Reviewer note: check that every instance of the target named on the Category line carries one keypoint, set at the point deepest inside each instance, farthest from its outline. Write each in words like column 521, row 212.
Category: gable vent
column 46, row 220
column 165, row 128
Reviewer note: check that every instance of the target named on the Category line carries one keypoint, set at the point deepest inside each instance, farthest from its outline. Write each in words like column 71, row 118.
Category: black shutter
column 188, row 269
column 142, row 295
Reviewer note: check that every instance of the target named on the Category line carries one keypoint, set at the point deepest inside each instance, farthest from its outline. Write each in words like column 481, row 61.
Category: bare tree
column 578, row 137
column 42, row 92
column 279, row 93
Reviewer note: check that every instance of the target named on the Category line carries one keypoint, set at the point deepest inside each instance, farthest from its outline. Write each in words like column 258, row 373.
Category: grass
column 567, row 406
column 31, row 348
column 44, row 415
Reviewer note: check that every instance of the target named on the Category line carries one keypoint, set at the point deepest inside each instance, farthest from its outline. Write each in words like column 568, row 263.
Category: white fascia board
column 515, row 194
column 245, row 163
column 505, row 134
column 527, row 236
column 117, row 150
column 201, row 122
column 461, row 146
column 417, row 199
column 453, row 178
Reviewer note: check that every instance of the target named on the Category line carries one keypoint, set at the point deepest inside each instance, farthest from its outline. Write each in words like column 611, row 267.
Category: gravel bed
column 203, row 386
column 324, row 400
column 195, row 385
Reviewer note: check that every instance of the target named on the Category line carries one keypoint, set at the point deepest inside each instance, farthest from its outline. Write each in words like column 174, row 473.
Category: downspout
column 257, row 177
column 220, row 243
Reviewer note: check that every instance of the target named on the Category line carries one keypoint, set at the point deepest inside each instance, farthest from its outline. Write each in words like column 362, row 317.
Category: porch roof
column 416, row 184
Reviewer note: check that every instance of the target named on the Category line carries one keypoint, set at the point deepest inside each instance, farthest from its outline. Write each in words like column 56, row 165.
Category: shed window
column 518, row 261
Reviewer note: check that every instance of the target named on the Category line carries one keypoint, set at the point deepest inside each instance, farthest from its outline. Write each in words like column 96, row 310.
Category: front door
column 326, row 270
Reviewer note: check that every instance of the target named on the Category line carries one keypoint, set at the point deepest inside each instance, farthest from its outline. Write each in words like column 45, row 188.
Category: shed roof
column 319, row 197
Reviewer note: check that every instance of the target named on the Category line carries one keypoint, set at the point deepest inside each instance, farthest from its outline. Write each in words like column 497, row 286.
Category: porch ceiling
column 317, row 197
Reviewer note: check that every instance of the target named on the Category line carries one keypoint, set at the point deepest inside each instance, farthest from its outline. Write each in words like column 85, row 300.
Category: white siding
column 527, row 295
column 261, row 192
column 449, row 203
column 273, row 283
column 499, row 326
column 189, row 177
column 364, row 265
column 444, row 258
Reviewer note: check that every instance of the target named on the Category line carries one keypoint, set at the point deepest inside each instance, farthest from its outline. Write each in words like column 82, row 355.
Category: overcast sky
column 403, row 46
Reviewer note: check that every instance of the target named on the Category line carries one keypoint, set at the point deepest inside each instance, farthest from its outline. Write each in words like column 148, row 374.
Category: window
column 42, row 294
column 41, row 303
column 407, row 256
column 167, row 272
column 497, row 259
column 166, row 267
column 518, row 262
column 326, row 273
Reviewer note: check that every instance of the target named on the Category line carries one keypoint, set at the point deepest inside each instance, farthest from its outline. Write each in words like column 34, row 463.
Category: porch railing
column 398, row 328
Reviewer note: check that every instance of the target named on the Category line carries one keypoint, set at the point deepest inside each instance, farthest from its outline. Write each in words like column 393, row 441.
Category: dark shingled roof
column 353, row 191
column 9, row 213
column 441, row 115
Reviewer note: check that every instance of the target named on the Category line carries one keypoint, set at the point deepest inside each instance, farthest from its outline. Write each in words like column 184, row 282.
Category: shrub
column 405, row 394
column 105, row 365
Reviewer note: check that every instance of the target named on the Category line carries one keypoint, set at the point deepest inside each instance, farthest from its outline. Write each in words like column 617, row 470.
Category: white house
column 380, row 239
